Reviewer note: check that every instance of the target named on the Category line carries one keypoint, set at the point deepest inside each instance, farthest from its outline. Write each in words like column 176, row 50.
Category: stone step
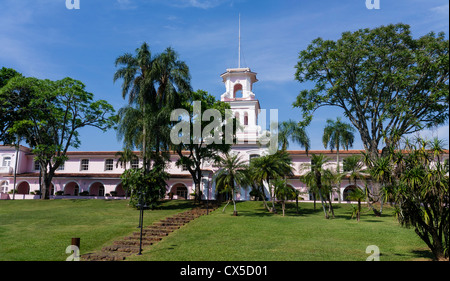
column 174, row 224
column 134, row 242
column 145, row 237
column 120, row 248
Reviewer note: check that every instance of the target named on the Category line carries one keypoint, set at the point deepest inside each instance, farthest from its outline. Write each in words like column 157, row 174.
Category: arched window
column 246, row 118
column 237, row 91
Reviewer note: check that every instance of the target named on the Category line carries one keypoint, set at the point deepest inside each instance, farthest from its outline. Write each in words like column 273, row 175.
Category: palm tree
column 125, row 156
column 155, row 85
column 337, row 134
column 231, row 174
column 318, row 179
column 290, row 130
column 284, row 192
column 138, row 84
column 277, row 165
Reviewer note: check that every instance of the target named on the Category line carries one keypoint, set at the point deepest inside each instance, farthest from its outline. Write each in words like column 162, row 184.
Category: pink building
column 97, row 174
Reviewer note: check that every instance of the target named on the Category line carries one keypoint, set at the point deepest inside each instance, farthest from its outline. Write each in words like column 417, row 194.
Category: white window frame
column 84, row 166
column 109, row 166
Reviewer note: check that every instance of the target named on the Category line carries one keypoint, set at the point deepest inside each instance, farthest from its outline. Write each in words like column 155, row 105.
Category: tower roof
column 239, row 71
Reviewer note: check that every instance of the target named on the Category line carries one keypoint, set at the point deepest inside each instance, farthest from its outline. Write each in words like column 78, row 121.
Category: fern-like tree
column 231, row 175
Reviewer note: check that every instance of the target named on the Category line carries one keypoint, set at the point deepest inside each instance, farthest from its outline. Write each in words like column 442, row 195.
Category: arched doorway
column 23, row 188
column 180, row 190
column 72, row 188
column 120, row 191
column 97, row 189
column 347, row 191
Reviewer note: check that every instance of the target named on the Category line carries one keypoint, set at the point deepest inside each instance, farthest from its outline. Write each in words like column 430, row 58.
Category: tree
column 125, row 156
column 231, row 175
column 387, row 83
column 337, row 134
column 319, row 179
column 357, row 194
column 194, row 152
column 155, row 86
column 283, row 192
column 9, row 105
column 269, row 167
column 150, row 184
column 55, row 112
column 290, row 130
column 421, row 195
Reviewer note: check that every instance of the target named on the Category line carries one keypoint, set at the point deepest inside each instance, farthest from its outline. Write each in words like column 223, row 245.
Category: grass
column 41, row 230
column 35, row 230
column 257, row 235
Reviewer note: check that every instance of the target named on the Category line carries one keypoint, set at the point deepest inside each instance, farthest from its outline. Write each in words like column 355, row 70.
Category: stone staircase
column 150, row 235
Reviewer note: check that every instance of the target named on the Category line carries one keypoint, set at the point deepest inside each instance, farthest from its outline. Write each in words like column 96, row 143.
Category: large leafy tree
column 387, row 83
column 9, row 109
column 51, row 119
column 195, row 151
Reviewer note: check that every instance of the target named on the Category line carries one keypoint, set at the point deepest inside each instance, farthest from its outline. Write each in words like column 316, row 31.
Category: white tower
column 239, row 83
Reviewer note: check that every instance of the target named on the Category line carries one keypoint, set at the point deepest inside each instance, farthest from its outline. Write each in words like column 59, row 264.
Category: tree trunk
column 323, row 206
column 234, row 203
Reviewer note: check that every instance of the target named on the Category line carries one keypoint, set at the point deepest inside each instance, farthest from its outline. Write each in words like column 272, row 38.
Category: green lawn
column 256, row 235
column 41, row 230
column 35, row 230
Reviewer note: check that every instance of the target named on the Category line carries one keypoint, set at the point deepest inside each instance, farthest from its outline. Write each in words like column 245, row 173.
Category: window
column 135, row 164
column 84, row 165
column 6, row 161
column 237, row 91
column 37, row 167
column 109, row 164
column 61, row 167
column 246, row 118
column 4, row 187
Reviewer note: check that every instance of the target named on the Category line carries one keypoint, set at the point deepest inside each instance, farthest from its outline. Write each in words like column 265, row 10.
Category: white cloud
column 441, row 10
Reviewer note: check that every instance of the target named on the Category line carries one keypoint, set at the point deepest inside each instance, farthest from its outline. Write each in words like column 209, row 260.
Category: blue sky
column 42, row 38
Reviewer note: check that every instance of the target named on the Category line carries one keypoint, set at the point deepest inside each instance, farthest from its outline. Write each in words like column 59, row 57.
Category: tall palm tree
column 290, row 130
column 138, row 84
column 231, row 175
column 277, row 165
column 155, row 86
column 338, row 134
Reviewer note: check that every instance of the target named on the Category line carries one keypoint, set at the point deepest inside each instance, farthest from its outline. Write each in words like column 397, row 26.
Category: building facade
column 96, row 174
